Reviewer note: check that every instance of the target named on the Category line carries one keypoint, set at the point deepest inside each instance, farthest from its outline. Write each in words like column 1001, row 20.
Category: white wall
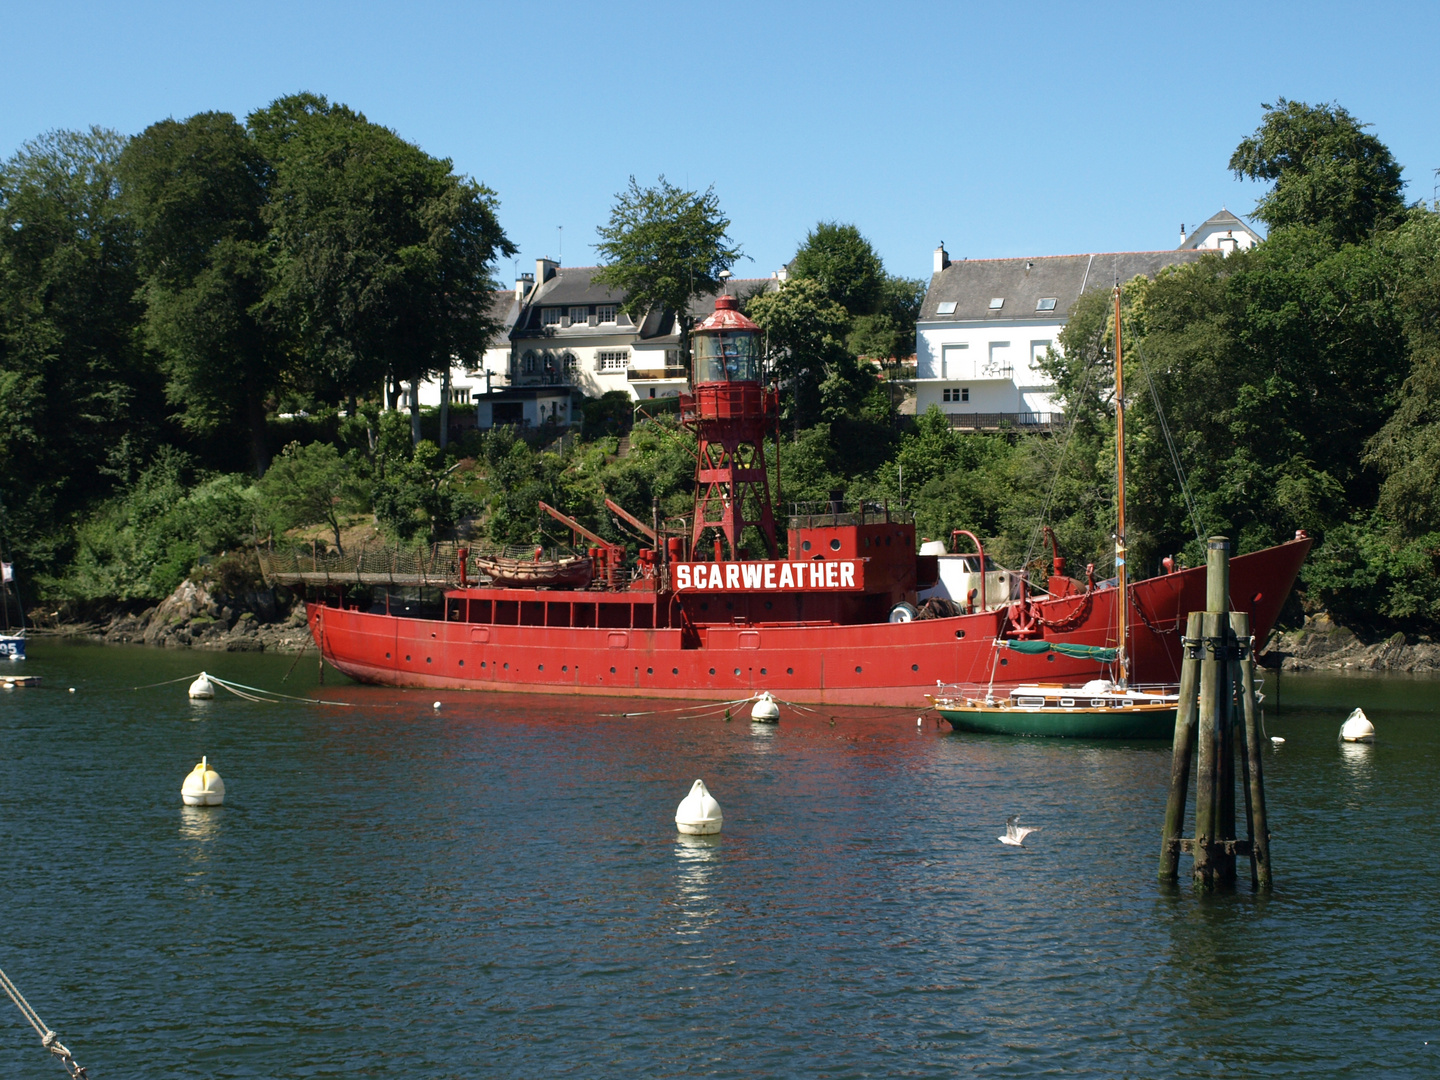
column 998, row 362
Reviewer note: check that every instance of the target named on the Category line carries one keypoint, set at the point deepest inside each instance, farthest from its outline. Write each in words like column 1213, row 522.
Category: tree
column 844, row 264
column 662, row 248
column 195, row 191
column 888, row 334
column 80, row 406
column 805, row 332
column 1328, row 172
column 384, row 256
column 307, row 485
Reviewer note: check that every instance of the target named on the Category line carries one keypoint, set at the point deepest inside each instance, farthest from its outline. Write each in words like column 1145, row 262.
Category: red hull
column 891, row 664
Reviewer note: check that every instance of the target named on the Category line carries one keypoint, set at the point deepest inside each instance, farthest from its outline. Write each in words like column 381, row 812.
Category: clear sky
column 999, row 128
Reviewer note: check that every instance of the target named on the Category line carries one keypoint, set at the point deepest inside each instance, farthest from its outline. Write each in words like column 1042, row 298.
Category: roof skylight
column 1045, row 303
column 996, row 302
column 946, row 308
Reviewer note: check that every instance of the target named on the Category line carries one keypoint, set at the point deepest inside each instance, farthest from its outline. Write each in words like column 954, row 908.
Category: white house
column 1224, row 233
column 987, row 323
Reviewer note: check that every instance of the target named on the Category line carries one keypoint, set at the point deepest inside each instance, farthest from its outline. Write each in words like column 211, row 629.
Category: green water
column 496, row 888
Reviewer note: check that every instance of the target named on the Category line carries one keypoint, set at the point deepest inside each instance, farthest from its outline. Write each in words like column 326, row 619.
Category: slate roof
column 574, row 286
column 971, row 284
column 1224, row 220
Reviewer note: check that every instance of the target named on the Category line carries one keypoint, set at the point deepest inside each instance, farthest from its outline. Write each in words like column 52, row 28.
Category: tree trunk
column 414, row 412
column 445, row 408
column 259, row 448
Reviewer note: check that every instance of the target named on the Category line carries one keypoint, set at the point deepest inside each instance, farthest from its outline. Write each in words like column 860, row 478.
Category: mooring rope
column 48, row 1039
column 238, row 688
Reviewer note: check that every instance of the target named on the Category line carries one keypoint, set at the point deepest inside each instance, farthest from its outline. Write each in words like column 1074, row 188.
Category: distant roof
column 1224, row 220
column 973, row 285
column 574, row 286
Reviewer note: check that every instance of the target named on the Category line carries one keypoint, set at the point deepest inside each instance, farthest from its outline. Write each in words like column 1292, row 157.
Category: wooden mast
column 1122, row 656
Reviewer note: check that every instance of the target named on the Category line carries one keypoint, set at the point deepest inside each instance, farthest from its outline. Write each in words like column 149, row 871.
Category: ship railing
column 436, row 565
column 819, row 515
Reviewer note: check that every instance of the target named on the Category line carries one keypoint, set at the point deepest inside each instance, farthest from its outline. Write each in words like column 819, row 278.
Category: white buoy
column 202, row 689
column 698, row 813
column 1276, row 740
column 437, row 706
column 1357, row 728
column 72, row 689
column 203, row 787
column 765, row 711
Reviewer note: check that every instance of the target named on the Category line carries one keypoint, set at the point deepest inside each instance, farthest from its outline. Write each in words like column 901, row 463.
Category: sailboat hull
column 1133, row 723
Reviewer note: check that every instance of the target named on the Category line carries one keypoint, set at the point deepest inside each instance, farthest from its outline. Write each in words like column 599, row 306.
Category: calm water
column 497, row 889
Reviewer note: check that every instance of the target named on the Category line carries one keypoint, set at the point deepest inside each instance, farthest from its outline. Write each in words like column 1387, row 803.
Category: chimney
column 783, row 273
column 523, row 284
column 942, row 260
column 545, row 270
column 1182, row 234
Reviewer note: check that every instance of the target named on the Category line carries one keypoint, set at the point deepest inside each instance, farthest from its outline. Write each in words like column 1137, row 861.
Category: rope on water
column 48, row 1039
column 238, row 689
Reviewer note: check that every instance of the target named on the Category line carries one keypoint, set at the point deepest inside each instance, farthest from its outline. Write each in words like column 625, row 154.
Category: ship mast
column 1122, row 657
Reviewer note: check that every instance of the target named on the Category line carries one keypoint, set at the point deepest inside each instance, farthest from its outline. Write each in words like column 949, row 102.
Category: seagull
column 1015, row 833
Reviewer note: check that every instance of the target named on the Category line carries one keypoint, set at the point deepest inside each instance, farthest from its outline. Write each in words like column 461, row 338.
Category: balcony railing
column 655, row 373
column 1024, row 421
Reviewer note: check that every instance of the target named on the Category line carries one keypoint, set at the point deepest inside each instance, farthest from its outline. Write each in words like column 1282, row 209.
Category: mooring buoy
column 1357, row 728
column 202, row 689
column 765, row 711
column 203, row 787
column 698, row 813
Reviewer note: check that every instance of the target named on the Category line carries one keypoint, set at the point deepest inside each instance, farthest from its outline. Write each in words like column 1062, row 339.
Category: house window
column 946, row 308
column 460, row 395
column 996, row 303
column 672, row 357
column 1037, row 353
column 958, row 393
column 569, row 358
column 1045, row 303
column 606, row 313
column 951, row 357
column 528, row 364
column 578, row 314
column 551, row 316
column 612, row 360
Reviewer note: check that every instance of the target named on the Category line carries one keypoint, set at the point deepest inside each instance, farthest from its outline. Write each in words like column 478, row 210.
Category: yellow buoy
column 203, row 787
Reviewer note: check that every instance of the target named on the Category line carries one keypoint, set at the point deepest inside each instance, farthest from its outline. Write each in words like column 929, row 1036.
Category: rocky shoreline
column 192, row 617
column 1322, row 644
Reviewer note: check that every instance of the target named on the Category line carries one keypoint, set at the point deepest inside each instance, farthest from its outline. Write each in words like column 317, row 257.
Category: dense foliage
column 163, row 298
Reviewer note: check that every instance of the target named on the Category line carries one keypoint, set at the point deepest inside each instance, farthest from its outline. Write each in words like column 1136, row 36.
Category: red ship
column 836, row 622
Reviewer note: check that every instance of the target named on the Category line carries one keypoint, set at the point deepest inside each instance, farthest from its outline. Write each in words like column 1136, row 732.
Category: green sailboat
column 1098, row 709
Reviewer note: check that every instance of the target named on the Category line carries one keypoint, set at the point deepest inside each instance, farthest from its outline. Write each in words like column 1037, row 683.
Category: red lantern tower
column 731, row 412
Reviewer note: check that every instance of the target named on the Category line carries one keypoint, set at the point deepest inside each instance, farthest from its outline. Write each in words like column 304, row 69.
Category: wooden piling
column 1258, row 822
column 1207, row 748
column 1224, row 859
column 1183, row 748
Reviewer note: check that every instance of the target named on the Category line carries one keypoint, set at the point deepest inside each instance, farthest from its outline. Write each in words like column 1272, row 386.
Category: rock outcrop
column 1323, row 644
column 192, row 618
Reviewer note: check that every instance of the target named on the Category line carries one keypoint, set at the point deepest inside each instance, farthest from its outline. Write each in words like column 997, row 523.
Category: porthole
column 1050, row 657
column 1004, row 662
column 507, row 665
column 427, row 659
column 712, row 671
column 649, row 671
column 762, row 671
column 729, row 606
column 914, row 667
column 805, row 546
column 704, row 605
column 789, row 671
column 737, row 671
column 539, row 667
column 407, row 657
column 462, row 663
column 768, row 605
column 612, row 671
column 959, row 633
column 835, row 544
column 482, row 664
column 857, row 669
column 387, row 656
column 564, row 667
column 674, row 671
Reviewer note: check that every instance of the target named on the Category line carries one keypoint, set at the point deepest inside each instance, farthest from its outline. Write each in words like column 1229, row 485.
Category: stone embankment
column 193, row 618
column 1323, row 644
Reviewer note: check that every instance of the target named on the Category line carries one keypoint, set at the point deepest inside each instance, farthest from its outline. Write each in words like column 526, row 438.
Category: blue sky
column 1001, row 129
